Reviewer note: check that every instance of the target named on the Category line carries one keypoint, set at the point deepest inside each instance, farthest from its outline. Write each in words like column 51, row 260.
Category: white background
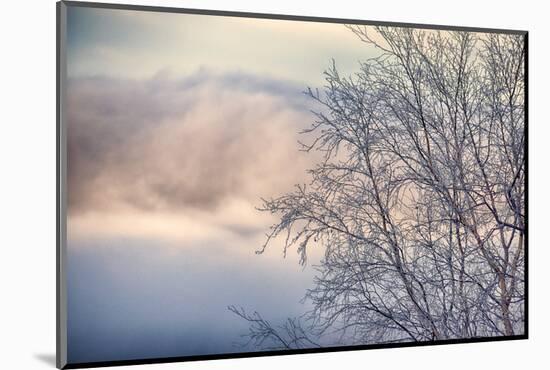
column 27, row 185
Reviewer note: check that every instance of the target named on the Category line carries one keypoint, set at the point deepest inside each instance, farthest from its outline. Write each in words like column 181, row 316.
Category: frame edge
column 61, row 291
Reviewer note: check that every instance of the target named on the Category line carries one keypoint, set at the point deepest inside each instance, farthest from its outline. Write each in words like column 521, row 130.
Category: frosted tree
column 419, row 199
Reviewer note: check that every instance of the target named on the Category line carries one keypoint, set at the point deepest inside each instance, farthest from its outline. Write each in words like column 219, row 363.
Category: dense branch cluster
column 419, row 199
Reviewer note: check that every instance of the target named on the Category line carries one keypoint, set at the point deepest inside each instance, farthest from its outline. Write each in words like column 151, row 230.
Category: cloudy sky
column 178, row 125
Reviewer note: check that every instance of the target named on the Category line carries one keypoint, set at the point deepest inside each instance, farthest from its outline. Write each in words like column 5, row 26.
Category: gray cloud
column 170, row 143
column 163, row 176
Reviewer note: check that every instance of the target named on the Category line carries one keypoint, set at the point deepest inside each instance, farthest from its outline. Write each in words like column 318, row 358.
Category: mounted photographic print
column 237, row 184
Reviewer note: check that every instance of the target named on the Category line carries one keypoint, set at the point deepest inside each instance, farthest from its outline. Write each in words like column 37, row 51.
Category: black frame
column 61, row 314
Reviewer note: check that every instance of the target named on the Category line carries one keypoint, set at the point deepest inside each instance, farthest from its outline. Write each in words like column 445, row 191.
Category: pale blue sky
column 137, row 44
